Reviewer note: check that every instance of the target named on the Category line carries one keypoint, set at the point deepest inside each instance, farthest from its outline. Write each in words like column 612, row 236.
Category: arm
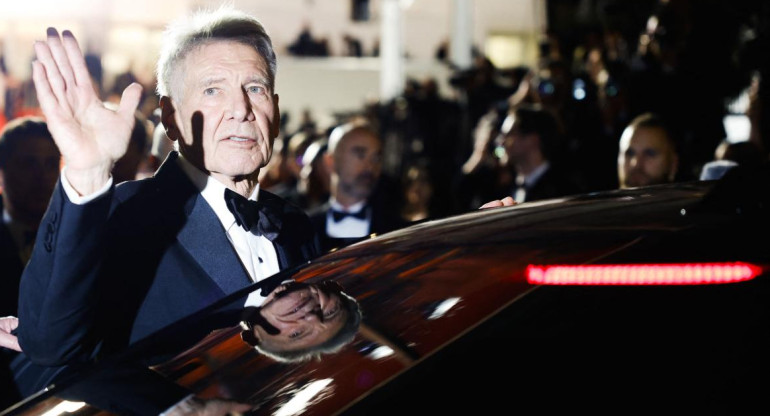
column 57, row 298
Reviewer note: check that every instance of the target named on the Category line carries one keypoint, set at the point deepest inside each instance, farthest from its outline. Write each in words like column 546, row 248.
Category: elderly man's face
column 646, row 157
column 306, row 316
column 225, row 111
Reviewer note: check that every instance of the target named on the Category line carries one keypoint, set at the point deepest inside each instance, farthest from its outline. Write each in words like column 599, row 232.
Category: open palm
column 90, row 136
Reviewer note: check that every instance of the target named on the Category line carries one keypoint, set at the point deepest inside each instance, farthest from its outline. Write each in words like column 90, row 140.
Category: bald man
column 647, row 154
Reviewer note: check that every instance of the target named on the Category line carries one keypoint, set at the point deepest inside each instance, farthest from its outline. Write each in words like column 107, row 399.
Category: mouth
column 239, row 139
column 297, row 306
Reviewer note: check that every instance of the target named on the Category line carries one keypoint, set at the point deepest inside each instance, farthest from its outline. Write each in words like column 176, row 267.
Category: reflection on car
column 641, row 300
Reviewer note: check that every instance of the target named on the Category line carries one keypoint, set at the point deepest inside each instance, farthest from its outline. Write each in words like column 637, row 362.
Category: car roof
column 452, row 296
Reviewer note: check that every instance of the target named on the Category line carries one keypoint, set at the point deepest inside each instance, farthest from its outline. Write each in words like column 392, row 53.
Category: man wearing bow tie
column 113, row 264
column 354, row 160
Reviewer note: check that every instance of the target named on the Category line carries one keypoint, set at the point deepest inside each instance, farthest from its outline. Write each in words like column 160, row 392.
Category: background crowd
column 687, row 63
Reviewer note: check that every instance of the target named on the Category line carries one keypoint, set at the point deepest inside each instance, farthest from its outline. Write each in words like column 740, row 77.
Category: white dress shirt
column 525, row 182
column 348, row 227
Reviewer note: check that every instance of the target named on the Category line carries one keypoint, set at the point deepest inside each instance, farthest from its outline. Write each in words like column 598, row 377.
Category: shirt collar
column 212, row 191
column 533, row 177
column 358, row 206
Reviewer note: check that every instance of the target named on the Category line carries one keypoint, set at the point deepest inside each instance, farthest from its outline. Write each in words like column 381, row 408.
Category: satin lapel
column 202, row 234
column 203, row 237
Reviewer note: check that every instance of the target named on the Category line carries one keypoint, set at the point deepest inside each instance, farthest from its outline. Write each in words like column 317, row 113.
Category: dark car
column 644, row 300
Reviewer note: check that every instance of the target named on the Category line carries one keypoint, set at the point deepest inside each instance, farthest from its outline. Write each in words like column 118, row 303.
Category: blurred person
column 647, row 154
column 745, row 153
column 134, row 258
column 354, row 158
column 729, row 155
column 29, row 168
column 530, row 140
column 314, row 177
column 160, row 148
column 418, row 191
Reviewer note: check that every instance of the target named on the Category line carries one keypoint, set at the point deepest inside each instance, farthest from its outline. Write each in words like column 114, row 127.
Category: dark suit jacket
column 110, row 272
column 11, row 267
column 553, row 184
column 383, row 221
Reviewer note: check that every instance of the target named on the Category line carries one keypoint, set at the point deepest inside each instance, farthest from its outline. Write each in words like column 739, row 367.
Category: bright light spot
column 579, row 94
column 299, row 402
column 737, row 127
column 64, row 407
column 642, row 274
column 443, row 308
column 381, row 352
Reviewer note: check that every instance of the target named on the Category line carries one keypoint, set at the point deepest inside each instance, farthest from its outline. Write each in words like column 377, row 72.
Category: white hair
column 189, row 32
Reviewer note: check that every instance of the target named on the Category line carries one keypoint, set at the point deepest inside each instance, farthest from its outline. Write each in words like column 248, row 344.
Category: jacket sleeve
column 58, row 297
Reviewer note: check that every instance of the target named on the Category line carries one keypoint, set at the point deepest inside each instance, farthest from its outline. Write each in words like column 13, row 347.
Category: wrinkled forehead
column 186, row 62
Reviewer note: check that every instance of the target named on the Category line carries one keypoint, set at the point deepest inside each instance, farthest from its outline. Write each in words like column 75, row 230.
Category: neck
column 528, row 165
column 241, row 185
column 343, row 198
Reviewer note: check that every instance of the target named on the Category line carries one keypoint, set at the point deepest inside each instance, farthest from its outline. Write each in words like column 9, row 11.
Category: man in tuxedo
column 530, row 137
column 354, row 158
column 112, row 264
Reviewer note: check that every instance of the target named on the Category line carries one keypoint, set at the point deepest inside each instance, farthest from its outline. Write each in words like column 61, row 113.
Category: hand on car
column 505, row 202
column 8, row 340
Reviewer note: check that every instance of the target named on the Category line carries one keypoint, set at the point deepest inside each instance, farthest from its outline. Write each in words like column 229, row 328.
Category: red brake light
column 642, row 274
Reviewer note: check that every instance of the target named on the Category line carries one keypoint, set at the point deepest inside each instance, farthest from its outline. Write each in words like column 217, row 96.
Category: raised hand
column 90, row 136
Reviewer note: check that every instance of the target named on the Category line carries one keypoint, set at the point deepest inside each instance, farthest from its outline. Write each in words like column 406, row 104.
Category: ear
column 167, row 112
column 329, row 162
column 275, row 125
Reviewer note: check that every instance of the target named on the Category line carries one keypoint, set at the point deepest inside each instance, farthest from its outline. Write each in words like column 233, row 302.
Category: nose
column 240, row 107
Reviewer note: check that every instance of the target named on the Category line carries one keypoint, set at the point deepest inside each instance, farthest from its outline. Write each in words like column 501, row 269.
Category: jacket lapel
column 202, row 234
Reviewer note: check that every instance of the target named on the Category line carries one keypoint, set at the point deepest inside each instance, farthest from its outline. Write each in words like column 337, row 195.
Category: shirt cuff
column 76, row 198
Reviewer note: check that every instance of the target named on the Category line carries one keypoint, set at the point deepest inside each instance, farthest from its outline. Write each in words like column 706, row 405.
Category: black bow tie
column 340, row 215
column 265, row 216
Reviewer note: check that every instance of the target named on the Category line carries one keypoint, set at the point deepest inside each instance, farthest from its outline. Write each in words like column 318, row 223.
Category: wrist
column 89, row 180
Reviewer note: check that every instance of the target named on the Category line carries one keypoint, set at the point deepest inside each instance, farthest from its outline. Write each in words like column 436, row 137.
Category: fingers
column 492, row 204
column 129, row 101
column 75, row 59
column 60, row 56
column 51, row 73
column 45, row 96
column 505, row 202
column 508, row 201
column 7, row 340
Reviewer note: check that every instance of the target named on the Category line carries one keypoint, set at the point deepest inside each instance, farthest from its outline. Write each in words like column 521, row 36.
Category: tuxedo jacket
column 148, row 253
column 553, row 184
column 383, row 220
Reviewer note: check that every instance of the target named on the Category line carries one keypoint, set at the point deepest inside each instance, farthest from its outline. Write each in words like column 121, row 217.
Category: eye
column 295, row 334
column 256, row 89
column 331, row 312
column 651, row 153
column 209, row 91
